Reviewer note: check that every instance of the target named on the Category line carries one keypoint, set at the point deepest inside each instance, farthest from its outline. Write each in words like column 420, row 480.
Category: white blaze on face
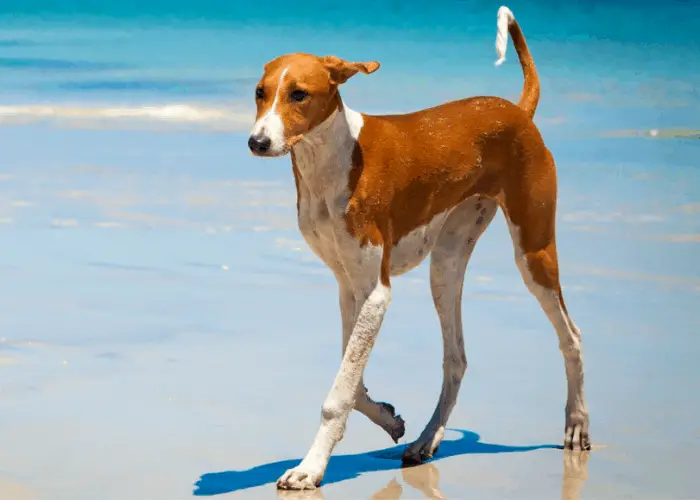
column 270, row 124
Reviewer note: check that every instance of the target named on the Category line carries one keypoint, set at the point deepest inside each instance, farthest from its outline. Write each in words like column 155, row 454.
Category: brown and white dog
column 377, row 194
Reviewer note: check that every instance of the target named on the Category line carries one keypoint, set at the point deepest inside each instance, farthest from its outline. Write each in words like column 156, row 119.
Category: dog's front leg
column 374, row 300
column 381, row 413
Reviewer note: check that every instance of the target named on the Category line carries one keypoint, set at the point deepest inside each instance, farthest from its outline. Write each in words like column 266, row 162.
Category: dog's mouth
column 279, row 152
column 270, row 153
column 293, row 141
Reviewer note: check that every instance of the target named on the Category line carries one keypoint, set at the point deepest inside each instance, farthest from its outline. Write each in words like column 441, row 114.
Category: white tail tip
column 503, row 19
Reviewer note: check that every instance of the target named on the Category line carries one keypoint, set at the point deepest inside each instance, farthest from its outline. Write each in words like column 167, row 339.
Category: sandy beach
column 165, row 332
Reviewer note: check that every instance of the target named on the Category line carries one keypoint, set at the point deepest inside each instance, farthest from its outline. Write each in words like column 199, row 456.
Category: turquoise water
column 604, row 54
column 157, row 301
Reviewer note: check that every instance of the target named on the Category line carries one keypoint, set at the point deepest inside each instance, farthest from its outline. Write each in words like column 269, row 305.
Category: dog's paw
column 576, row 438
column 424, row 448
column 394, row 425
column 416, row 455
column 299, row 478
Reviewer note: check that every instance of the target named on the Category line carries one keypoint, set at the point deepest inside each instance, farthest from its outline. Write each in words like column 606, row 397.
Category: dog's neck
column 324, row 156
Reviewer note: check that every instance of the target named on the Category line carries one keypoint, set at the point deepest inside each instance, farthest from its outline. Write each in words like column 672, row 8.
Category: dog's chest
column 321, row 227
column 323, row 166
column 323, row 198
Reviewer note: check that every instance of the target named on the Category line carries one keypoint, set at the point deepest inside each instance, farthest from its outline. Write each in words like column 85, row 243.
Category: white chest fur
column 323, row 159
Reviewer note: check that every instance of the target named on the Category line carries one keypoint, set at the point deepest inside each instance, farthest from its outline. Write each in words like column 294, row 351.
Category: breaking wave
column 178, row 116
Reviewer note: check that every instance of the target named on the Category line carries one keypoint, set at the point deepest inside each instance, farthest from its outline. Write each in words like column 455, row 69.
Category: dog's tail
column 531, row 89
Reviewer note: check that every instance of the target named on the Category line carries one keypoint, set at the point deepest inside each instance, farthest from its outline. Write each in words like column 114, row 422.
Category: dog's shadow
column 343, row 467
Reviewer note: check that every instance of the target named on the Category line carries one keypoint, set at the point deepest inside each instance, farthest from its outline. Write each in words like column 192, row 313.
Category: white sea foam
column 158, row 116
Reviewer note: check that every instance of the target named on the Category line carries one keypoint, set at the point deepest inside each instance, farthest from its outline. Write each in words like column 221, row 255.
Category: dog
column 377, row 194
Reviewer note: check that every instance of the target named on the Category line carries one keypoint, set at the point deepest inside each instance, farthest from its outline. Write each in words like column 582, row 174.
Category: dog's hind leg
column 382, row 414
column 530, row 211
column 448, row 263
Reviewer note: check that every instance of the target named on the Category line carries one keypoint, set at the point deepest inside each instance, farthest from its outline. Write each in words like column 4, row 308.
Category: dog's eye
column 259, row 93
column 298, row 95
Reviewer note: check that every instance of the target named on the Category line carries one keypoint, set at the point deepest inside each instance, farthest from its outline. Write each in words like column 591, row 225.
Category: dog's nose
column 259, row 144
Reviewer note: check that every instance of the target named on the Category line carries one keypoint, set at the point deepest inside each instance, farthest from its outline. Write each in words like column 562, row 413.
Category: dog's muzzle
column 259, row 145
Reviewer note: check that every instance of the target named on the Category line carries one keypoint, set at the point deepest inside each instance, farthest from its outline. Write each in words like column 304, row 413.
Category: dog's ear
column 341, row 70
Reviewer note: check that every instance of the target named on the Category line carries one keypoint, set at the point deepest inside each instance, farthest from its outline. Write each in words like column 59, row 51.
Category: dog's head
column 296, row 93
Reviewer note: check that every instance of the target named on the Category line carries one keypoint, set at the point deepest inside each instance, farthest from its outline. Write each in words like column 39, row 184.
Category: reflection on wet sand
column 13, row 490
column 316, row 494
column 426, row 478
column 575, row 474
column 391, row 490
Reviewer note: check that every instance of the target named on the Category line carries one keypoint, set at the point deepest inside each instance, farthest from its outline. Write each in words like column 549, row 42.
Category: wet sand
column 167, row 334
